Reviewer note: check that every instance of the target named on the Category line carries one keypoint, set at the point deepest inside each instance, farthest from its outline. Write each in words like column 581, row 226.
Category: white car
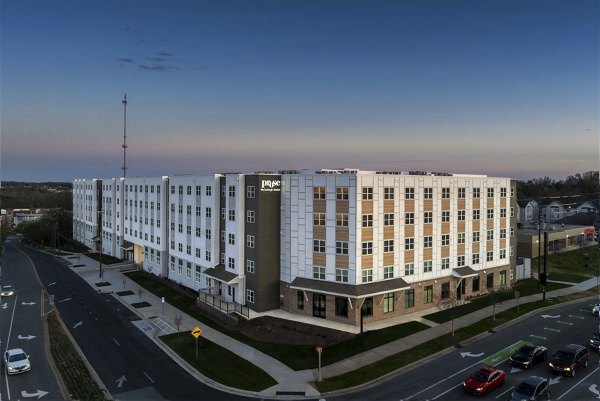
column 7, row 291
column 16, row 361
column 596, row 309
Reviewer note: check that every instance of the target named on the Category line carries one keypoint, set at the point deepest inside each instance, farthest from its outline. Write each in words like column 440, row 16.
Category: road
column 129, row 364
column 441, row 378
column 21, row 326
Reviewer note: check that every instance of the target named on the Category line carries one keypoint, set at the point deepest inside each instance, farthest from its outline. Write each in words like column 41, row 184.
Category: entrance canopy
column 219, row 273
column 464, row 272
column 347, row 290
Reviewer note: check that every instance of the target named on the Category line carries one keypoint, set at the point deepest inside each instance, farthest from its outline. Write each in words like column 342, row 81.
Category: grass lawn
column 218, row 363
column 106, row 259
column 570, row 266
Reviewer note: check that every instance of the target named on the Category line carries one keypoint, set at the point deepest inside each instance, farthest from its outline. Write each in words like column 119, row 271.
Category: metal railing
column 225, row 306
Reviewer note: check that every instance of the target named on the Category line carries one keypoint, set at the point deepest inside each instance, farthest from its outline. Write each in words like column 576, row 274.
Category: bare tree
column 449, row 304
column 178, row 320
column 124, row 279
column 140, row 291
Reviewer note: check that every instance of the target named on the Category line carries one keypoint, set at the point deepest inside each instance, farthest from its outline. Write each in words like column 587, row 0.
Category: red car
column 484, row 380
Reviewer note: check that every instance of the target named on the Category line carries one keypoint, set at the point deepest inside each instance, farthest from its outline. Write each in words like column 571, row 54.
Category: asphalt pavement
column 160, row 317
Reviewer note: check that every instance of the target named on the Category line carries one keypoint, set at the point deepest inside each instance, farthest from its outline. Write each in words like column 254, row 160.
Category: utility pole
column 124, row 146
column 100, row 239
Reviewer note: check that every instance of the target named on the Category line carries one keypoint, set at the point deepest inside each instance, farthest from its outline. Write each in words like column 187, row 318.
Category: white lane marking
column 149, row 378
column 506, row 391
column 116, row 342
column 577, row 384
column 447, row 391
column 8, row 340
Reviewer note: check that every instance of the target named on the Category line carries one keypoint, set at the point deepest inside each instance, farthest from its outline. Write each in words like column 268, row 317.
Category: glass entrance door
column 319, row 305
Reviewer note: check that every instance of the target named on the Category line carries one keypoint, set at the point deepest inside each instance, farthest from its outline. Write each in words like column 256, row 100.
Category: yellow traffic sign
column 197, row 331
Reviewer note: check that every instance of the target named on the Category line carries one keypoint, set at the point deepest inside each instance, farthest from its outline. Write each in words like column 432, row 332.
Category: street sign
column 197, row 331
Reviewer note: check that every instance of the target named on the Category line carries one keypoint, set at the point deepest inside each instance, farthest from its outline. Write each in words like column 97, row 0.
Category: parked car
column 528, row 355
column 16, row 361
column 595, row 341
column 596, row 309
column 7, row 291
column 569, row 358
column 484, row 380
column 533, row 388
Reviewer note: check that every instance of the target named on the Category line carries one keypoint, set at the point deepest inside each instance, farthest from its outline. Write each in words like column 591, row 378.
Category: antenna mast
column 124, row 168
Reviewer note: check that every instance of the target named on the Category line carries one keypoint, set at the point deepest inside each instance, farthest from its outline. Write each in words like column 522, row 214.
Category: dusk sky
column 507, row 88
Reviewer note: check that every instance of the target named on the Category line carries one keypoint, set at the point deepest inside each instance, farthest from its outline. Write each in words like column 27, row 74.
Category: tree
column 450, row 305
column 140, row 291
column 178, row 320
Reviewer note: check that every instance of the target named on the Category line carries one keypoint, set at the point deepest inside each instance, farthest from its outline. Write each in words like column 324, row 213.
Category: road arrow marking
column 463, row 354
column 576, row 316
column 513, row 370
column 39, row 394
column 536, row 336
column 551, row 329
column 77, row 324
column 5, row 305
column 29, row 337
column 66, row 299
column 120, row 381
column 28, row 303
column 550, row 316
column 54, row 282
column 593, row 389
column 561, row 322
column 554, row 380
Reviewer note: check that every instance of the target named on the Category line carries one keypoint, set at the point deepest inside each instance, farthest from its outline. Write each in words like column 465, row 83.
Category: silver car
column 16, row 361
column 7, row 291
column 534, row 388
column 596, row 309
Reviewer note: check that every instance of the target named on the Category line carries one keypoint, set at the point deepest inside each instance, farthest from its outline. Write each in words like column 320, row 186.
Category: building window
column 341, row 306
column 198, row 211
column 445, row 193
column 409, row 193
column 208, row 190
column 367, row 193
column 490, row 256
column 319, row 193
column 341, row 193
column 475, row 258
column 503, row 213
column 388, row 245
column 460, row 261
column 367, row 220
column 445, row 216
column 388, row 302
column 231, row 263
column 341, row 247
column 502, row 254
column 223, row 191
column 409, row 269
column 231, row 239
column 341, row 219
column 490, row 213
column 445, row 290
column 490, row 235
column 250, row 241
column 461, row 215
column 198, row 190
column 409, row 298
column 428, row 193
column 341, row 275
column 319, row 245
column 250, row 296
column 188, row 249
column 249, row 266
column 367, row 307
column 489, row 283
column 208, row 233
column 503, row 192
column 231, row 215
column 367, row 248
column 172, row 189
column 476, row 214
column 461, row 193
column 232, row 191
column 475, row 236
column 428, row 294
column 427, row 241
column 388, row 272
column 198, row 252
column 503, row 277
column 250, row 216
column 427, row 266
column 208, row 255
column 475, row 284
column 388, row 193
column 445, row 239
column 445, row 263
column 427, row 217
column 490, row 192
column 409, row 218
column 460, row 238
column 318, row 219
column 223, row 212
column 476, row 192
column 250, row 191
column 503, row 233
column 409, row 243
column 367, row 275
column 388, row 219
column 301, row 300
column 208, row 213
column 319, row 272
column 222, row 235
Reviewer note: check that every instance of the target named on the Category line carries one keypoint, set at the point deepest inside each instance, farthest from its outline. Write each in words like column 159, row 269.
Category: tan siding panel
column 388, row 232
column 388, row 206
column 388, row 258
column 409, row 205
column 367, row 207
column 341, row 261
column 367, row 261
column 318, row 259
column 342, row 233
column 367, row 234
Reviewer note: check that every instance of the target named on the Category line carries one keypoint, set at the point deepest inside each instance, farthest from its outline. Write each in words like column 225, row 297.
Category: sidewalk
column 158, row 319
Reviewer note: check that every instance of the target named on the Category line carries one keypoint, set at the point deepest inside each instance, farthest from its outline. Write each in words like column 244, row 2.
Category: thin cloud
column 125, row 60
column 154, row 67
column 165, row 54
column 156, row 59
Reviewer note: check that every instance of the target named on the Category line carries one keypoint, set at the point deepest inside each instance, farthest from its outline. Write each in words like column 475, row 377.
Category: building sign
column 270, row 185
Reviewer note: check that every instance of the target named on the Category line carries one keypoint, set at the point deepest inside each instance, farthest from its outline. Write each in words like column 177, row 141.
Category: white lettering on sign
column 270, row 185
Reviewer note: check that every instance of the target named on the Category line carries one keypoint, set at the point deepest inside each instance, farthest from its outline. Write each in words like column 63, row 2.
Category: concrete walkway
column 294, row 384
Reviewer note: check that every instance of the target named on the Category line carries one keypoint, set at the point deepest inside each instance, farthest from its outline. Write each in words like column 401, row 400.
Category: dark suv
column 568, row 359
column 595, row 341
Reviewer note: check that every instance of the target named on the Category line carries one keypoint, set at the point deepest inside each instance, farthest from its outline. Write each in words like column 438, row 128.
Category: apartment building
column 343, row 244
column 386, row 244
column 86, row 204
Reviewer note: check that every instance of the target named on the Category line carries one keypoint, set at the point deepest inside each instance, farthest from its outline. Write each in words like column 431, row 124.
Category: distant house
column 22, row 215
column 527, row 211
column 586, row 207
column 553, row 212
